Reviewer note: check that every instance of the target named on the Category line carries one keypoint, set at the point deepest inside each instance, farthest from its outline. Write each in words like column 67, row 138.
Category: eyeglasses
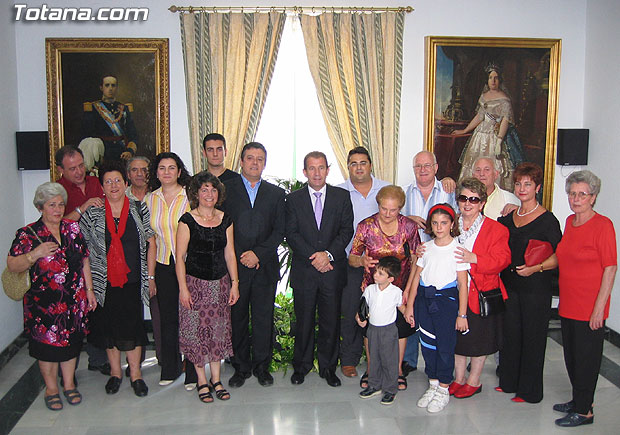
column 578, row 195
column 426, row 166
column 471, row 199
column 361, row 164
column 110, row 181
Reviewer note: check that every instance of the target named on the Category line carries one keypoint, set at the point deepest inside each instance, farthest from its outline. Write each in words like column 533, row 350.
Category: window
column 291, row 124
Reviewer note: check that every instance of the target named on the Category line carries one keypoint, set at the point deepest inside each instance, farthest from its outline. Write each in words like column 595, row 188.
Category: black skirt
column 49, row 353
column 484, row 336
column 123, row 317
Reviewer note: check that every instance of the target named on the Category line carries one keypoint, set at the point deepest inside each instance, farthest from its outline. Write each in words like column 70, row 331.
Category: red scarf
column 117, row 267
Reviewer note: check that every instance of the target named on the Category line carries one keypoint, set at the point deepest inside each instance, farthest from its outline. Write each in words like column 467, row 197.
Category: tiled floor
column 311, row 408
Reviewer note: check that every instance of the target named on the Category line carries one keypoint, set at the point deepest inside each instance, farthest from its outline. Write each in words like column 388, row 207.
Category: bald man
column 499, row 202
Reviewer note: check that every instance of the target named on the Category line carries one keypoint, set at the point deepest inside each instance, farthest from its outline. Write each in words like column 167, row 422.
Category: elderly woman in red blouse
column 587, row 261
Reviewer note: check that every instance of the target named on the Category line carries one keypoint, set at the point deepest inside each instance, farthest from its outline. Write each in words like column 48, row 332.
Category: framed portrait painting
column 109, row 96
column 494, row 98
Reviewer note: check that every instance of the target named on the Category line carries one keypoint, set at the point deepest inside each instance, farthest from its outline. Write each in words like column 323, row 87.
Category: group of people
column 202, row 252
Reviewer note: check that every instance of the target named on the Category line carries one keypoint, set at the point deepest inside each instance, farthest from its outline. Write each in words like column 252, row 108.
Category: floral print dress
column 55, row 306
column 370, row 239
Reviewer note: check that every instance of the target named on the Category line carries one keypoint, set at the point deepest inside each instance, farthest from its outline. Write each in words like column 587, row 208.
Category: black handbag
column 362, row 312
column 491, row 301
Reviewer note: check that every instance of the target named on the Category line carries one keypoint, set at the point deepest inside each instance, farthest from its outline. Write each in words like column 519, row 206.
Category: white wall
column 565, row 19
column 11, row 210
column 601, row 106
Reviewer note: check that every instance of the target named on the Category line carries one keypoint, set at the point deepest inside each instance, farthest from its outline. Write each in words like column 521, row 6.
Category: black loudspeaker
column 573, row 146
column 33, row 150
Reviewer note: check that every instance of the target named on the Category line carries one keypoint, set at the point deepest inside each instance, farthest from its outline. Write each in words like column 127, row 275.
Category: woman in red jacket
column 486, row 249
column 588, row 264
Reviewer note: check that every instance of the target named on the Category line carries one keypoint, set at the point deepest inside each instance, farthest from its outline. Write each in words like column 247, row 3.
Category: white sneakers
column 427, row 396
column 440, row 400
column 434, row 399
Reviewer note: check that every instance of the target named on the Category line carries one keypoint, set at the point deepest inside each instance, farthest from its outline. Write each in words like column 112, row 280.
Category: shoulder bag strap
column 35, row 234
column 473, row 280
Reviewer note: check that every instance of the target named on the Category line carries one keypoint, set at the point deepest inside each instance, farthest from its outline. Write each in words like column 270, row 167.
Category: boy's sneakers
column 388, row 398
column 369, row 392
column 440, row 400
column 427, row 396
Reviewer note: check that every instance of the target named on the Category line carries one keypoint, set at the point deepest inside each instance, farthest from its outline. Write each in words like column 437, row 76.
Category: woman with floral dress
column 387, row 233
column 61, row 291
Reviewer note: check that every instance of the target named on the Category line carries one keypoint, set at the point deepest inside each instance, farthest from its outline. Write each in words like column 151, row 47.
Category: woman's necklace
column 205, row 218
column 529, row 212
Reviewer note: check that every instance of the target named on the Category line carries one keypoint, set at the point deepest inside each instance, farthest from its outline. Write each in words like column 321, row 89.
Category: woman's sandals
column 204, row 397
column 221, row 394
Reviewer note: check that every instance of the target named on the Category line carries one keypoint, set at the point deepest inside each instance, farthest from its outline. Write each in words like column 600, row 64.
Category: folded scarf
column 117, row 267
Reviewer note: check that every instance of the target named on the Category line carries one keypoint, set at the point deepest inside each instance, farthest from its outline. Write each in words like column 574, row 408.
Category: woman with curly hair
column 209, row 284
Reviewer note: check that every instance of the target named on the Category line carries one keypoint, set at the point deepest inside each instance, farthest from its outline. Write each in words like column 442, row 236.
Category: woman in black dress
column 208, row 282
column 528, row 306
column 117, row 236
column 60, row 294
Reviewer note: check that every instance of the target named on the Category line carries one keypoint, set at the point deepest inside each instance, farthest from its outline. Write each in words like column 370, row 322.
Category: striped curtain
column 356, row 64
column 229, row 61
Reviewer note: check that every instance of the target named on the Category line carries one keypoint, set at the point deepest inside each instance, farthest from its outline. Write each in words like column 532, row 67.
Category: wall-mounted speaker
column 573, row 146
column 33, row 150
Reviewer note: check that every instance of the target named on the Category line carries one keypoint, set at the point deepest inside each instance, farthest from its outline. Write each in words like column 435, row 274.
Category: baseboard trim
column 11, row 350
column 613, row 337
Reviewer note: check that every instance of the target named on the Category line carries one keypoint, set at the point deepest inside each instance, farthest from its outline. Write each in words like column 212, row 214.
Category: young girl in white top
column 439, row 297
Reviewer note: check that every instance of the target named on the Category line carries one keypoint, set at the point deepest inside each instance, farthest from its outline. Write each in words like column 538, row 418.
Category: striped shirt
column 92, row 224
column 165, row 220
column 416, row 206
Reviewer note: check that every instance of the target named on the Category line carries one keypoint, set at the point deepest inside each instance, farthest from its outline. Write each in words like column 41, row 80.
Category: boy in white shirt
column 383, row 299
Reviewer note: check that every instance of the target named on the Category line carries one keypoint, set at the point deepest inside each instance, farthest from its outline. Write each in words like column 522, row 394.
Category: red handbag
column 536, row 252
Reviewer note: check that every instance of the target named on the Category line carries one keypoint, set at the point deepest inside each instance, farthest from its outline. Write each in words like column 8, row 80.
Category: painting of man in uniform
column 109, row 105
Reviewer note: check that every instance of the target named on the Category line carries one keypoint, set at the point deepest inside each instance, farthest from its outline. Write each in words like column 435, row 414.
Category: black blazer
column 305, row 238
column 260, row 229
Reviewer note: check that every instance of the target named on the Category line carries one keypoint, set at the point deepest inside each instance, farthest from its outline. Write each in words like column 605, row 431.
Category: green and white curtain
column 229, row 61
column 356, row 64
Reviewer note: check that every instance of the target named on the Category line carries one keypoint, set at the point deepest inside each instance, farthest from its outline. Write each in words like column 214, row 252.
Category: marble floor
column 311, row 408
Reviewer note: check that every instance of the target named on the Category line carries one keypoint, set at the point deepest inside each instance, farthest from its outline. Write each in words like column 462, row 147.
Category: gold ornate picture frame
column 75, row 68
column 456, row 75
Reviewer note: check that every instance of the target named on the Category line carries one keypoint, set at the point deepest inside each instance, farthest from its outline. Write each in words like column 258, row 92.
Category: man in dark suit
column 257, row 210
column 319, row 225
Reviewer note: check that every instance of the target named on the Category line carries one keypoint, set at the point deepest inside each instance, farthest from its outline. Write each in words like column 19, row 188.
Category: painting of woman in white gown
column 494, row 134
column 495, row 98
